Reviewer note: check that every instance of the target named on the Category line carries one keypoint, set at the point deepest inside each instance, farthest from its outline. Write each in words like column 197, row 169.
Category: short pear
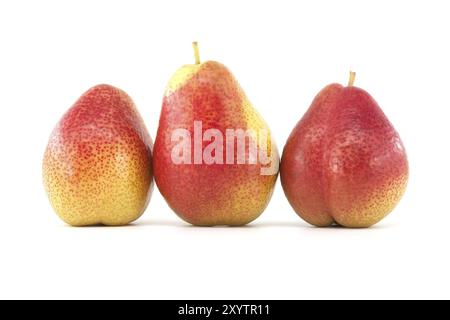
column 344, row 163
column 97, row 167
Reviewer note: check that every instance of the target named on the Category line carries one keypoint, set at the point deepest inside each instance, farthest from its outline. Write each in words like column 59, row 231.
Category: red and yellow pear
column 205, row 101
column 344, row 163
column 97, row 168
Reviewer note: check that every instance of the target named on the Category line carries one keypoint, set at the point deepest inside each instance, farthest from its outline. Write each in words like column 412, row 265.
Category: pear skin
column 97, row 167
column 208, row 194
column 344, row 163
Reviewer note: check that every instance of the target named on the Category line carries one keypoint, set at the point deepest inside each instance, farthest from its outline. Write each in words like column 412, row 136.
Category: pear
column 215, row 162
column 97, row 168
column 344, row 163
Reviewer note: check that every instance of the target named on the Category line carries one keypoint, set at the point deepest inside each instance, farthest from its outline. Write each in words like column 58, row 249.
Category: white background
column 283, row 53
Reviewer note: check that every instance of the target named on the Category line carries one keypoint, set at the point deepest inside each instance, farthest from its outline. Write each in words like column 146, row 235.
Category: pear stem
column 351, row 79
column 196, row 54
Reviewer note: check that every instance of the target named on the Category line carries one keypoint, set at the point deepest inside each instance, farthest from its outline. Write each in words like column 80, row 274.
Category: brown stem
column 196, row 54
column 351, row 79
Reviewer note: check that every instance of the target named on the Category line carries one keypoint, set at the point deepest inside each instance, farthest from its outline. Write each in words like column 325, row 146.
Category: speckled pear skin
column 210, row 194
column 344, row 163
column 97, row 168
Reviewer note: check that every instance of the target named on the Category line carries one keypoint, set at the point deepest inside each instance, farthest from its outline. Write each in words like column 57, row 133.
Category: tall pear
column 202, row 168
column 344, row 162
column 98, row 164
